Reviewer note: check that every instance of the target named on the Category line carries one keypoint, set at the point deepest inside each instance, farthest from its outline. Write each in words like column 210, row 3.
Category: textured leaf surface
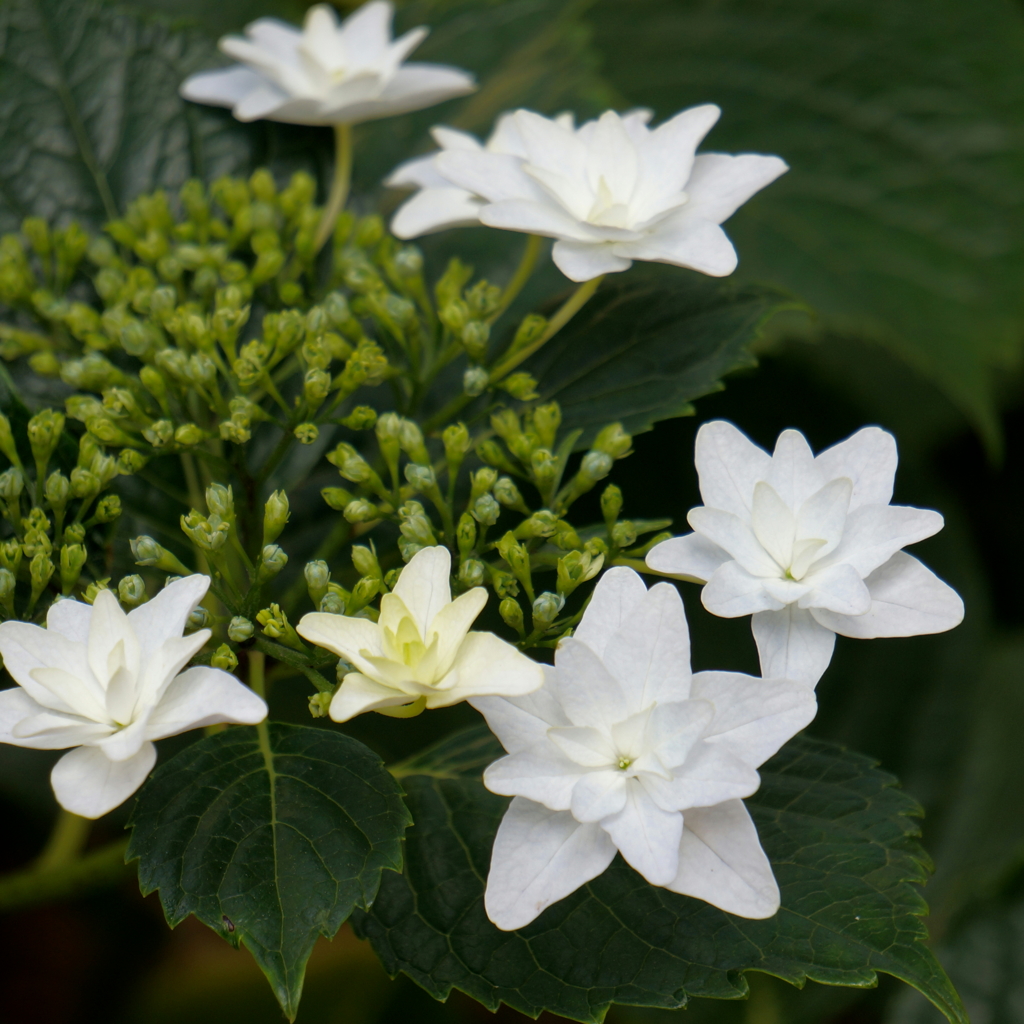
column 647, row 345
column 271, row 843
column 91, row 115
column 903, row 123
column 841, row 841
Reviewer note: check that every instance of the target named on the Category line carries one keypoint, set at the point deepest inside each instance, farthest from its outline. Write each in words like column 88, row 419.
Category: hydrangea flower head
column 809, row 546
column 329, row 73
column 420, row 653
column 624, row 750
column 108, row 684
column 609, row 192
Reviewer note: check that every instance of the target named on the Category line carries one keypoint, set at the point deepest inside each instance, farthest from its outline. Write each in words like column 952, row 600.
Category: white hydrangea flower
column 610, row 192
column 108, row 684
column 624, row 750
column 329, row 73
column 809, row 546
column 421, row 653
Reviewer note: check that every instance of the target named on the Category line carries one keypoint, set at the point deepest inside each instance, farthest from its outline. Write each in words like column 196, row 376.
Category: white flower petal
column 277, row 37
column 685, row 242
column 907, row 599
column 676, row 727
column 646, row 836
column 519, row 722
column 359, row 693
column 166, row 615
column 541, row 217
column 733, row 535
column 343, row 635
column 587, row 691
column 583, row 261
column 792, row 644
column 413, row 87
column 793, row 472
column 773, row 524
column 712, row 773
column 729, row 464
column 598, row 795
column 70, row 618
column 649, row 655
column 721, row 862
column 26, row 647
column 692, row 555
column 435, row 209
column 540, row 857
column 222, row 88
column 837, row 589
column 65, row 692
column 719, row 184
column 451, row 624
column 24, row 723
column 203, row 696
column 550, row 146
column 584, row 746
column 869, row 459
column 732, row 592
column 86, row 782
column 496, row 177
column 754, row 717
column 541, row 773
column 618, row 592
column 268, row 102
column 112, row 640
column 823, row 515
column 425, row 585
column 874, row 533
column 488, row 666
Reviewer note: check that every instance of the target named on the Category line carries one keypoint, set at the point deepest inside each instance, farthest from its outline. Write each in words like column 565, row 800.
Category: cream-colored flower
column 421, row 653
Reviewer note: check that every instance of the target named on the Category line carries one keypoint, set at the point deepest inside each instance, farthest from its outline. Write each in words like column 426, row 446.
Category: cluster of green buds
column 48, row 513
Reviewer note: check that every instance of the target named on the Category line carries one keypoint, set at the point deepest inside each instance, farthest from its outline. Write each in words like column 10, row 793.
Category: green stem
column 526, row 264
column 339, row 184
column 66, row 841
column 258, row 672
column 35, row 885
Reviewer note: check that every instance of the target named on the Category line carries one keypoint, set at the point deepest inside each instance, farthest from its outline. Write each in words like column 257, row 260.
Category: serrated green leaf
column 902, row 122
column 91, row 114
column 647, row 345
column 271, row 836
column 841, row 840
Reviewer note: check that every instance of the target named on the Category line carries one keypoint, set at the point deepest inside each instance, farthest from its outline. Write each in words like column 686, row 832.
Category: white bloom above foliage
column 624, row 750
column 421, row 653
column 809, row 546
column 109, row 684
column 329, row 73
column 610, row 192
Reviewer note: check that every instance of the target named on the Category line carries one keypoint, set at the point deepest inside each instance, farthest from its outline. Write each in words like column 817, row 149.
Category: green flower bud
column 272, row 560
column 508, row 495
column 486, row 510
column 471, row 572
column 332, row 604
column 407, row 548
column 131, row 591
column 362, row 594
column 153, row 381
column 316, row 386
column 57, row 491
column 198, row 618
column 546, row 608
column 234, row 431
column 318, row 576
column 415, row 526
column 421, row 478
column 623, row 534
column 360, row 510
column 306, row 433
column 475, row 381
column 474, row 336
column 108, row 509
column 159, row 433
column 504, row 583
column 72, row 560
column 362, row 417
column 37, row 232
column 365, row 561
column 209, row 533
column 44, row 430
column 7, row 585
column 46, row 364
column 481, row 482
column 351, row 465
column 74, row 534
column 240, row 629
column 188, row 435
column 545, row 467
column 84, row 483
column 275, row 516
column 7, row 445
column 40, row 569
column 146, row 551
column 224, row 658
column 490, row 452
column 546, row 421
column 611, row 504
column 512, row 614
column 12, row 483
column 505, row 423
column 36, row 520
column 410, row 437
column 94, row 588
column 336, row 497
column 335, row 306
column 596, row 546
column 455, row 315
column 465, row 534
column 130, row 461
column 541, row 524
column 220, row 500
column 276, row 625
column 595, row 466
column 575, row 568
column 522, row 386
column 456, row 441
column 408, row 261
column 517, row 556
column 613, row 441
column 320, row 704
column 11, row 555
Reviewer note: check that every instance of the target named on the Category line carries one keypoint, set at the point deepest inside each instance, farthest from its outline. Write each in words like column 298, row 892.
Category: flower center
column 624, row 763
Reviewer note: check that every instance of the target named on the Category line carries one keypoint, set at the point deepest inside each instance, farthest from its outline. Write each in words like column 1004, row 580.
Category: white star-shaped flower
column 420, row 654
column 329, row 73
column 610, row 192
column 624, row 750
column 809, row 546
column 108, row 684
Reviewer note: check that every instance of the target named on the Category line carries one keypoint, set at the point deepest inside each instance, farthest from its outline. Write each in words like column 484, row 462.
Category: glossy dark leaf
column 270, row 840
column 841, row 839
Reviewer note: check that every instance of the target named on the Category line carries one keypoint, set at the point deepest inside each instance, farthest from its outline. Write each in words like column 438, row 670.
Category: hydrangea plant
column 240, row 351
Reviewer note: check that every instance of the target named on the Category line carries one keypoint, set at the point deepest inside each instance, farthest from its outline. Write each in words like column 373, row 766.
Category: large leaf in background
column 647, row 345
column 91, row 115
column 903, row 122
column 840, row 839
column 270, row 840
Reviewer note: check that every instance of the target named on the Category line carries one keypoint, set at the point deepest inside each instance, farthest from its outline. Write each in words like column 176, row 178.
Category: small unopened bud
column 320, row 704
column 611, row 504
column 336, row 497
column 410, row 437
column 455, row 315
column 188, row 435
column 512, row 613
column 362, row 594
column 541, row 524
column 475, row 381
column 131, row 591
column 44, row 430
column 84, row 482
column 362, row 417
column 129, row 461
column 575, row 568
column 74, row 534
column 108, row 509
column 198, row 618
column 7, row 445
column 351, row 465
column 332, row 603
column 12, row 483
column 316, row 386
column 508, row 495
column 159, row 433
column 40, row 569
column 11, row 555
column 595, row 466
column 94, row 589
column 306, row 433
column 318, row 576
column 546, row 421
column 220, row 500
column 546, row 609
column 361, row 511
column 146, row 551
column 272, row 561
column 522, row 386
column 471, row 572
column 474, row 337
column 613, row 441
column 57, row 491
column 545, row 467
column 275, row 516
column 72, row 560
column 623, row 534
column 240, row 629
column 7, row 584
column 531, row 328
column 481, row 482
column 465, row 534
column 365, row 561
column 420, row 478
column 224, row 658
column 486, row 510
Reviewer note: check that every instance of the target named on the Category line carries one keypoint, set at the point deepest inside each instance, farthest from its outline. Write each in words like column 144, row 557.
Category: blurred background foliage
column 900, row 227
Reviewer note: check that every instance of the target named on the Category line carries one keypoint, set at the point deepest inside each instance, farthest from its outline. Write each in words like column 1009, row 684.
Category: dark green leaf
column 902, row 122
column 647, row 345
column 838, row 832
column 91, row 115
column 271, row 837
